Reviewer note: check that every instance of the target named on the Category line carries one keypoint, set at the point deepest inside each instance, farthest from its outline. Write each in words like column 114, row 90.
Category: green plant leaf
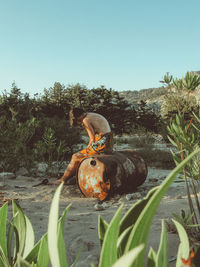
column 109, row 248
column 176, row 129
column 151, row 260
column 3, row 259
column 172, row 141
column 102, row 227
column 33, row 254
column 134, row 212
column 178, row 120
column 22, row 263
column 196, row 128
column 193, row 225
column 122, row 240
column 142, row 226
column 53, row 229
column 12, row 230
column 20, row 224
column 3, row 218
column 161, row 259
column 61, row 241
column 196, row 117
column 30, row 237
column 77, row 257
column 129, row 258
column 184, row 246
column 43, row 254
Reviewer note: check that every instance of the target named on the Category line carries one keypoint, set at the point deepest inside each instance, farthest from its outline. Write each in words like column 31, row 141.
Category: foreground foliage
column 128, row 236
column 17, row 242
column 184, row 134
column 123, row 240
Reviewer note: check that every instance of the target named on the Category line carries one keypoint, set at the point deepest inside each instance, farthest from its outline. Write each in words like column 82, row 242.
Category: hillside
column 153, row 96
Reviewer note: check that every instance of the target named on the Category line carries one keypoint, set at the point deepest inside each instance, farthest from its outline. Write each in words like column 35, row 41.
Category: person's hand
column 89, row 145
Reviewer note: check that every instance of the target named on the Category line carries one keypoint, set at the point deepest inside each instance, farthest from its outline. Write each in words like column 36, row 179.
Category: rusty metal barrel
column 103, row 175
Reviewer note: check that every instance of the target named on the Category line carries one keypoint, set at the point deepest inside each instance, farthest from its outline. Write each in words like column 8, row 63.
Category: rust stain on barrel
column 101, row 175
column 90, row 179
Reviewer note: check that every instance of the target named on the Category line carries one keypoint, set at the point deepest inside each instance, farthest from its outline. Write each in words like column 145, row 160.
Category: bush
column 157, row 158
column 144, row 145
column 14, row 139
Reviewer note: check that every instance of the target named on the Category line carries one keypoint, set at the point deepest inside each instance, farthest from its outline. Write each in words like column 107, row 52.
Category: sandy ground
column 81, row 222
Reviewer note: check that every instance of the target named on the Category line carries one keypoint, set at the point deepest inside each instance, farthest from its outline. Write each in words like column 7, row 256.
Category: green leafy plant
column 132, row 230
column 179, row 99
column 49, row 151
column 185, row 138
column 17, row 248
column 14, row 139
column 186, row 220
column 184, row 134
column 123, row 240
column 56, row 244
column 47, row 146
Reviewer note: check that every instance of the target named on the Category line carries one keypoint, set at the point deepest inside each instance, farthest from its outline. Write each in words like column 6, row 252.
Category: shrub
column 157, row 158
column 14, row 139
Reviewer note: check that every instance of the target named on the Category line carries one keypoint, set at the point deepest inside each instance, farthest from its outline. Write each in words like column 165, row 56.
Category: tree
column 15, row 104
column 114, row 107
column 147, row 118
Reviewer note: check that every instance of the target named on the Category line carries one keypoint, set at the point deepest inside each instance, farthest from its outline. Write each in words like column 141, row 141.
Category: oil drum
column 103, row 175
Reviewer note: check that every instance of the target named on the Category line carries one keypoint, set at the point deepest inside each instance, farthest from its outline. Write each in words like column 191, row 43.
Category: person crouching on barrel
column 100, row 139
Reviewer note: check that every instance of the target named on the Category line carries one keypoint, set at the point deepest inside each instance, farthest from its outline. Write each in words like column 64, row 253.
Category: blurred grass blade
column 132, row 215
column 23, row 263
column 77, row 257
column 12, row 250
column 109, row 248
column 61, row 241
column 151, row 261
column 20, row 224
column 53, row 229
column 33, row 254
column 162, row 253
column 184, row 246
column 129, row 219
column 30, row 237
column 128, row 259
column 102, row 227
column 122, row 240
column 43, row 254
column 3, row 218
column 142, row 226
column 172, row 141
column 3, row 259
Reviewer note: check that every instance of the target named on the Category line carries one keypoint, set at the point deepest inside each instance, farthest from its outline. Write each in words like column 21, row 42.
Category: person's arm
column 89, row 130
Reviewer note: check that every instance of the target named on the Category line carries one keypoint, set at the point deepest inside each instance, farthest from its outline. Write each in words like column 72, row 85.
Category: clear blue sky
column 121, row 44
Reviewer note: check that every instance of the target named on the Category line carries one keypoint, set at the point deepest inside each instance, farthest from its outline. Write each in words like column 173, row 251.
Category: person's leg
column 73, row 165
column 71, row 168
